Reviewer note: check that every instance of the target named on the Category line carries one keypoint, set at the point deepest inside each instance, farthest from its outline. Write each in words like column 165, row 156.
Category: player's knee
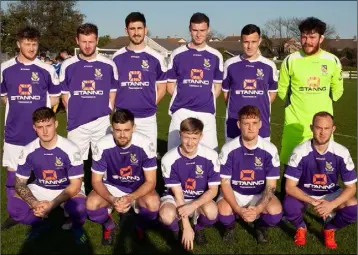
column 224, row 208
column 167, row 214
column 351, row 202
column 150, row 201
column 210, row 210
column 92, row 202
column 274, row 207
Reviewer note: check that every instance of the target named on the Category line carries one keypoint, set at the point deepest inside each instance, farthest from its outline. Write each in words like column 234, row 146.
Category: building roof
column 232, row 47
column 233, row 38
column 167, row 43
column 339, row 43
column 117, row 43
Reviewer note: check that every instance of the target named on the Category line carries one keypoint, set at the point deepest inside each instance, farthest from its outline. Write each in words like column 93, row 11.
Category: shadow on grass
column 55, row 240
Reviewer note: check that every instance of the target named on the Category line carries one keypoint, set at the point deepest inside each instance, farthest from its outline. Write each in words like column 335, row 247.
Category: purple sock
column 20, row 211
column 203, row 221
column 10, row 183
column 227, row 220
column 145, row 217
column 101, row 216
column 174, row 226
column 344, row 217
column 76, row 208
column 293, row 210
column 269, row 220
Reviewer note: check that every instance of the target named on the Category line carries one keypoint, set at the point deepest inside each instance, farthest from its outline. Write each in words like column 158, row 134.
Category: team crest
column 199, row 170
column 329, row 167
column 98, row 73
column 260, row 73
column 145, row 64
column 58, row 162
column 324, row 69
column 134, row 159
column 35, row 76
column 258, row 162
column 207, row 63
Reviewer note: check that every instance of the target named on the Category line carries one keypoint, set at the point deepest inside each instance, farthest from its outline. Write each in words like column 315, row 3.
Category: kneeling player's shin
column 344, row 217
column 203, row 221
column 101, row 216
column 76, row 208
column 269, row 220
column 145, row 217
column 20, row 211
column 10, row 183
column 227, row 220
column 293, row 210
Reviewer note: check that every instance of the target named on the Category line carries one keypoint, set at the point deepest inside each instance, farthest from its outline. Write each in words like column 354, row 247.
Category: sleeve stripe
column 97, row 172
column 214, row 183
column 225, row 176
column 113, row 90
column 350, row 182
column 172, row 185
column 273, row 90
column 3, row 94
column 55, row 95
column 225, row 90
column 291, row 177
column 75, row 176
column 172, row 80
column 217, row 81
column 149, row 168
column 272, row 177
column 162, row 81
column 65, row 92
column 22, row 176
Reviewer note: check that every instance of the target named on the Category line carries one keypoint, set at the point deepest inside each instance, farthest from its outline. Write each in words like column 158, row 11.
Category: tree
column 214, row 34
column 57, row 22
column 103, row 40
column 281, row 30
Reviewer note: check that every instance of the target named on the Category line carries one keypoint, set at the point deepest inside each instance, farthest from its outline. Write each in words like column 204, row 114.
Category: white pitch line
column 276, row 124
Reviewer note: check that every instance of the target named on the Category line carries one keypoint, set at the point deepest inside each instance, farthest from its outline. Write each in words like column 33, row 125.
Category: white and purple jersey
column 52, row 168
column 123, row 167
column 249, row 83
column 248, row 169
column 138, row 74
column 88, row 84
column 195, row 71
column 27, row 87
column 318, row 174
column 194, row 174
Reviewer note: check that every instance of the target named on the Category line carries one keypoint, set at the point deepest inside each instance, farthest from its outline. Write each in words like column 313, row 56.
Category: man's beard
column 136, row 43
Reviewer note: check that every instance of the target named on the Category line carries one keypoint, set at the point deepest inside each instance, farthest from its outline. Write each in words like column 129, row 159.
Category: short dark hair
column 324, row 115
column 134, row 17
column 198, row 18
column 43, row 114
column 29, row 33
column 312, row 24
column 43, row 54
column 192, row 125
column 122, row 116
column 87, row 29
column 59, row 58
column 250, row 29
column 249, row 111
column 63, row 51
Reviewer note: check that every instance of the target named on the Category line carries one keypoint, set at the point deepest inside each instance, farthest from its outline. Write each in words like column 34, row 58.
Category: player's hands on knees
column 324, row 208
column 121, row 205
column 249, row 214
column 186, row 210
column 188, row 238
column 43, row 209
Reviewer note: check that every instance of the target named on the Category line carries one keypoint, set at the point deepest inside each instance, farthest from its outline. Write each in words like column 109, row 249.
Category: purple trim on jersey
column 317, row 174
column 195, row 72
column 53, row 168
column 138, row 73
column 88, row 84
column 123, row 167
column 248, row 169
column 248, row 83
column 194, row 175
column 27, row 87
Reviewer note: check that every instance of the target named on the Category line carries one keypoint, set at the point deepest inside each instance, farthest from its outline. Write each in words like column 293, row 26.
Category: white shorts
column 11, row 154
column 148, row 127
column 243, row 200
column 209, row 133
column 170, row 199
column 42, row 194
column 118, row 193
column 88, row 133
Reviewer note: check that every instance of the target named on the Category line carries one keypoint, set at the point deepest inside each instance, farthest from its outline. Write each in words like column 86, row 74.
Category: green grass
column 59, row 242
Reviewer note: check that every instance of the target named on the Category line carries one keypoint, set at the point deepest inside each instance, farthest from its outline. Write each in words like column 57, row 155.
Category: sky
column 171, row 18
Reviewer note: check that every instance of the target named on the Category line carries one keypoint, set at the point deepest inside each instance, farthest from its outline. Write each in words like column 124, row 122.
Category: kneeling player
column 249, row 171
column 312, row 179
column 191, row 174
column 58, row 169
column 123, row 176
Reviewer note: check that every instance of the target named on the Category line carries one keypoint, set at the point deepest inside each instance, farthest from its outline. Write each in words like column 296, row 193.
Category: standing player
column 58, row 170
column 195, row 74
column 89, row 83
column 26, row 84
column 123, row 175
column 310, row 79
column 312, row 179
column 142, row 77
column 191, row 174
column 249, row 172
column 249, row 79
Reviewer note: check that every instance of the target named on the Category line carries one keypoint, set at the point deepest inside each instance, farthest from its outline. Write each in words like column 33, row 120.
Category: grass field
column 58, row 241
